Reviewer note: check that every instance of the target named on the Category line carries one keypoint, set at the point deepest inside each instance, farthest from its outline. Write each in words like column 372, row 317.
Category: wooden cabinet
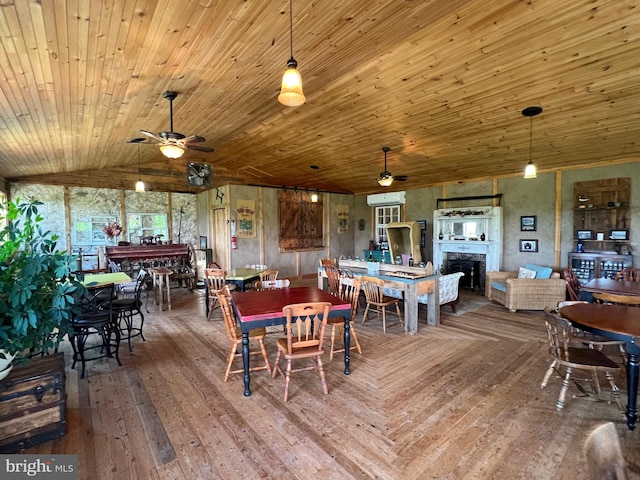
column 587, row 266
column 601, row 213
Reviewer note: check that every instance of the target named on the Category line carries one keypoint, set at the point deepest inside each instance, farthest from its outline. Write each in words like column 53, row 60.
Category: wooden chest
column 32, row 404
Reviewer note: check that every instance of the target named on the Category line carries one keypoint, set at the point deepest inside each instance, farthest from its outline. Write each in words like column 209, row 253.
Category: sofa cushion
column 543, row 273
column 502, row 286
column 526, row 273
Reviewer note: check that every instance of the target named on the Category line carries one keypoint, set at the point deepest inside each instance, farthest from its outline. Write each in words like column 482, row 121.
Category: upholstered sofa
column 547, row 288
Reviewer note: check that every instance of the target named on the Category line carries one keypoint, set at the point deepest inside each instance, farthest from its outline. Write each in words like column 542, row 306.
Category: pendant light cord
column 530, row 136
column 291, row 26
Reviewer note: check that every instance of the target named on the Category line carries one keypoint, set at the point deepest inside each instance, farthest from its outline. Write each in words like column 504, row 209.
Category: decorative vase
column 482, row 237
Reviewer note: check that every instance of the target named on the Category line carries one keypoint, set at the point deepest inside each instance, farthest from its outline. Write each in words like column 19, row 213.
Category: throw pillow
column 526, row 273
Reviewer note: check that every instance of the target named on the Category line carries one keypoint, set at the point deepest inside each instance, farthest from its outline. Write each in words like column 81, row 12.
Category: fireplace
column 473, row 269
column 473, row 236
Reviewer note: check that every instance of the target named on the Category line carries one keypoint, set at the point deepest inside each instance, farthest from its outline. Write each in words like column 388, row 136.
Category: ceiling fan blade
column 138, row 140
column 193, row 139
column 199, row 148
column 152, row 135
column 400, row 178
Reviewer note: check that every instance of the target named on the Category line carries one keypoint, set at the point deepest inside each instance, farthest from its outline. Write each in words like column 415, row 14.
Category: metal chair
column 568, row 357
column 127, row 308
column 95, row 317
column 306, row 324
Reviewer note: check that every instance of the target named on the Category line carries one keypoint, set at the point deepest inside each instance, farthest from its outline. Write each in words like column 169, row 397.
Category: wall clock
column 198, row 174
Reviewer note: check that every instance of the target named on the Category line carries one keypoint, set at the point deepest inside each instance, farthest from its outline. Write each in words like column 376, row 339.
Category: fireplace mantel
column 449, row 224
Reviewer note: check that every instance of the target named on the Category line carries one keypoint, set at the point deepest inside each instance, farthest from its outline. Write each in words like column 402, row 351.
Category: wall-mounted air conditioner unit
column 392, row 198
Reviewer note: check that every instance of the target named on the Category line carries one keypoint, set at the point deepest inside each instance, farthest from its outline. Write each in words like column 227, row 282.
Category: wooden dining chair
column 375, row 297
column 234, row 333
column 273, row 284
column 349, row 292
column 617, row 299
column 216, row 280
column 593, row 340
column 306, row 325
column 628, row 274
column 269, row 274
column 566, row 357
column 333, row 279
column 573, row 284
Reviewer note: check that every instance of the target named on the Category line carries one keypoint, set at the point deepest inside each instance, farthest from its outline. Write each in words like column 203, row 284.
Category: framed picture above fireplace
column 528, row 223
column 528, row 245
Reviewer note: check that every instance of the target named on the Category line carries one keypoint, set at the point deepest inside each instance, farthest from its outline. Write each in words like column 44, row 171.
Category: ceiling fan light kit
column 171, row 151
column 385, row 179
column 291, row 90
column 530, row 170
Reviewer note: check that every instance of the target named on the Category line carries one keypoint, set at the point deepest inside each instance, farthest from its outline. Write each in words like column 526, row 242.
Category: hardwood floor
column 461, row 400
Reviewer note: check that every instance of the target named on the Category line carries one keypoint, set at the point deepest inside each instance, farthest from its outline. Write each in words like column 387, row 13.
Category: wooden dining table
column 609, row 285
column 99, row 279
column 616, row 322
column 263, row 308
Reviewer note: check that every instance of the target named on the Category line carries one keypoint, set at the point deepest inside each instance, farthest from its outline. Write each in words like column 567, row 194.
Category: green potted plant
column 37, row 286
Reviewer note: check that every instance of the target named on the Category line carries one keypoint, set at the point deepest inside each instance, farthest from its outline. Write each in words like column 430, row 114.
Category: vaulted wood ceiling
column 441, row 82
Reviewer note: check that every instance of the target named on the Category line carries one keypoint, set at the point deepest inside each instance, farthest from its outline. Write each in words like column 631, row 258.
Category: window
column 385, row 215
column 141, row 225
column 88, row 231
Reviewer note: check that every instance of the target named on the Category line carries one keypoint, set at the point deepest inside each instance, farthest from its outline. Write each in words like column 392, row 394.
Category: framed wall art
column 528, row 223
column 529, row 245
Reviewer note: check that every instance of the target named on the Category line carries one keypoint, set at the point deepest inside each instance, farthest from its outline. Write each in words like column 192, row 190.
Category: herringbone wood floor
column 457, row 401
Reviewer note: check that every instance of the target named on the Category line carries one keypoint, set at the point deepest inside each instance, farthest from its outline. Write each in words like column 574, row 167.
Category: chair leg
column 287, row 379
column 384, row 320
column 325, row 388
column 614, row 390
column 563, row 391
column 264, row 354
column 364, row 315
column 355, row 338
column 276, row 365
column 230, row 358
column 399, row 315
column 547, row 375
column 333, row 340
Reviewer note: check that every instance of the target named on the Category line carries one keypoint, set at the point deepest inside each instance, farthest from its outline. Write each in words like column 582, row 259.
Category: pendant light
column 385, row 179
column 139, row 183
column 291, row 91
column 530, row 170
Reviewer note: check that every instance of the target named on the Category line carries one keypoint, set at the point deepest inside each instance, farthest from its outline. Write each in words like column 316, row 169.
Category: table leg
column 245, row 363
column 347, row 344
column 161, row 289
column 632, row 387
column 156, row 291
column 411, row 309
column 168, row 287
column 433, row 305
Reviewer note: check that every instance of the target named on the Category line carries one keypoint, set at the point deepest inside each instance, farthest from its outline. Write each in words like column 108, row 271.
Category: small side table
column 161, row 286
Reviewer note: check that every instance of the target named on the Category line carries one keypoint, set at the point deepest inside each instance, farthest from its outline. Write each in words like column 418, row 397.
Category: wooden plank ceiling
column 441, row 82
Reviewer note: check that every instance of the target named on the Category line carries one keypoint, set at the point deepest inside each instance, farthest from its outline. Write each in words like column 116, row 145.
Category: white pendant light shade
column 291, row 91
column 385, row 181
column 314, row 197
column 171, row 151
column 530, row 170
column 139, row 186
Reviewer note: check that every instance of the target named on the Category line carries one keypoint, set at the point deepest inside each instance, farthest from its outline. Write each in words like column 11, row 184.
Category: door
column 221, row 237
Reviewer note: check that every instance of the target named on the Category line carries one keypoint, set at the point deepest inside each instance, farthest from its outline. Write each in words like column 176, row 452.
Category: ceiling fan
column 386, row 179
column 172, row 144
column 198, row 174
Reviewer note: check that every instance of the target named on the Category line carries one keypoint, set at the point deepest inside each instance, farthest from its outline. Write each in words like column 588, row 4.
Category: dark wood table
column 256, row 309
column 609, row 285
column 616, row 322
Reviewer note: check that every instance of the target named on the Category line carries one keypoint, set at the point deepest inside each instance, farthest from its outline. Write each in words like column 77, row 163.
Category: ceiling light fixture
column 385, row 179
column 530, row 170
column 171, row 151
column 139, row 183
column 314, row 197
column 291, row 91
